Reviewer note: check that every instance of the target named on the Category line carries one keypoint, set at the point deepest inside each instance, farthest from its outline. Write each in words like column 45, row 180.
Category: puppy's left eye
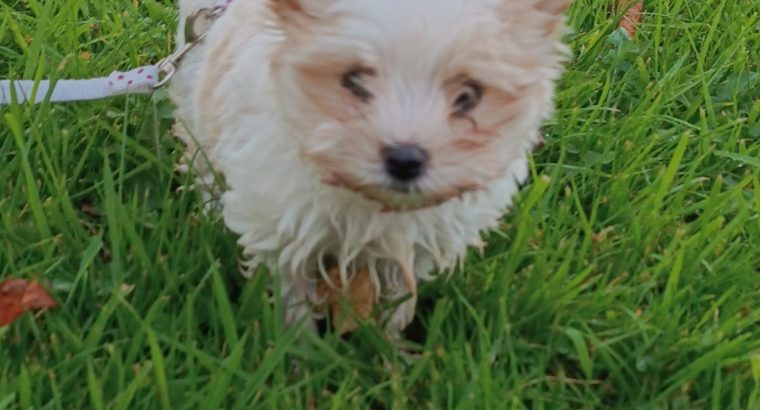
column 353, row 81
column 468, row 98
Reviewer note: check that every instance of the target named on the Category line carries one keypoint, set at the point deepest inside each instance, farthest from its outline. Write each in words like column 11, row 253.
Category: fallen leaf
column 632, row 18
column 359, row 295
column 18, row 296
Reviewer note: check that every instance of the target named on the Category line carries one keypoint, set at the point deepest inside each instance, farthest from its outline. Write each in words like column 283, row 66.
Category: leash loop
column 169, row 65
column 191, row 22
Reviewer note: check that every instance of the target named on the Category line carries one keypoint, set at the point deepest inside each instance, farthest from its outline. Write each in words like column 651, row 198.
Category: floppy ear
column 554, row 6
column 284, row 7
column 290, row 12
column 554, row 10
column 298, row 12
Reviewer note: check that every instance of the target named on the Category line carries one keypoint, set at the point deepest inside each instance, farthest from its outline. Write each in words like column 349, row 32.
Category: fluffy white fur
column 261, row 98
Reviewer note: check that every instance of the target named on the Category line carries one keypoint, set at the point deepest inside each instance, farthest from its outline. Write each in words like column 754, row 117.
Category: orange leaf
column 18, row 296
column 359, row 293
column 632, row 18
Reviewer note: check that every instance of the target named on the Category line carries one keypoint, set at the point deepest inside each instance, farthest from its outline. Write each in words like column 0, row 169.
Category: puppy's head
column 412, row 102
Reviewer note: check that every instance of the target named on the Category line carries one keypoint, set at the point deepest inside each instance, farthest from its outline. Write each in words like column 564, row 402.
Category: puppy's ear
column 554, row 10
column 298, row 12
column 286, row 7
column 554, row 6
column 288, row 11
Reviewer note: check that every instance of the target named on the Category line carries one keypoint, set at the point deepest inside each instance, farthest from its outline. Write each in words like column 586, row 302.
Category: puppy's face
column 412, row 102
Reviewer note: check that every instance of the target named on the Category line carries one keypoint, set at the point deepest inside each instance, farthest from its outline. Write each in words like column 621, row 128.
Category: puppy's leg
column 400, row 317
column 297, row 296
column 395, row 322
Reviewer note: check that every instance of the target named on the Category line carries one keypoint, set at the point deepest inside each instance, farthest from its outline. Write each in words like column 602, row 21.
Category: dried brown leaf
column 632, row 18
column 18, row 296
column 359, row 296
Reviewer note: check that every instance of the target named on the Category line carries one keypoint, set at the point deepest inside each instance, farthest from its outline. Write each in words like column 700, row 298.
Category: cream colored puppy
column 381, row 136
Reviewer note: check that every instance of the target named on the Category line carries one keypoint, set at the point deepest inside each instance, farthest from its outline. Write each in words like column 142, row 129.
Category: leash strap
column 143, row 80
column 138, row 81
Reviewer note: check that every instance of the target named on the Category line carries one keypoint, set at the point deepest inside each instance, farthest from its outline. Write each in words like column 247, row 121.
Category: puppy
column 366, row 137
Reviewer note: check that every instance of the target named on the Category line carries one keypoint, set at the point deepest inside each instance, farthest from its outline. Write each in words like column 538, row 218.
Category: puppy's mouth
column 400, row 196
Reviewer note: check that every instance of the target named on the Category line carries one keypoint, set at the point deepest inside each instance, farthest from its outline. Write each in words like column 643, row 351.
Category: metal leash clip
column 168, row 66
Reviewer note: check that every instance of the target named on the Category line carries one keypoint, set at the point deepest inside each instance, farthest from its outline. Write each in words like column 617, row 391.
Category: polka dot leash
column 142, row 80
column 138, row 81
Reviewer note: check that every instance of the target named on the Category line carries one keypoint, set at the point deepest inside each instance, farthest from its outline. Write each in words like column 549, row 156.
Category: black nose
column 405, row 162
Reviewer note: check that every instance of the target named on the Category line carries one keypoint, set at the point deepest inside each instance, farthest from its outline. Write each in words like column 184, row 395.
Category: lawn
column 627, row 276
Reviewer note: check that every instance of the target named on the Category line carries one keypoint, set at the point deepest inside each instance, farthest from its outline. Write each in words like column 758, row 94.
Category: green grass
column 627, row 276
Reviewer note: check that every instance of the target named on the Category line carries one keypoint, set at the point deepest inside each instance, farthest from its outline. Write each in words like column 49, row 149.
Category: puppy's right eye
column 354, row 81
column 469, row 98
